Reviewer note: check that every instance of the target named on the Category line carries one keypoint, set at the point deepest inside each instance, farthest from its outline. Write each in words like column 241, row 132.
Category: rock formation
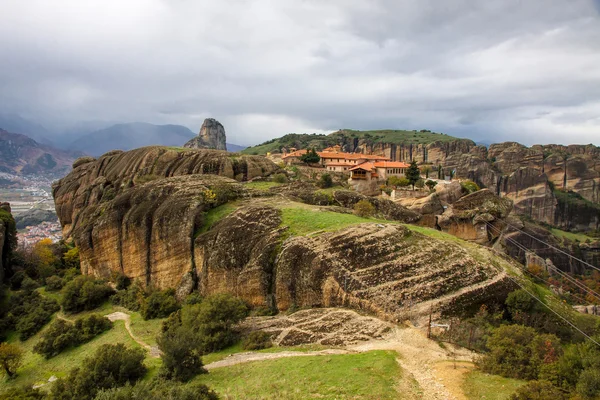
column 211, row 136
column 477, row 217
column 8, row 239
column 144, row 214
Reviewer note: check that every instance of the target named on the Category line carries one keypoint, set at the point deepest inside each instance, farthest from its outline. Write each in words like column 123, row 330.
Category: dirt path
column 419, row 356
column 121, row 316
column 240, row 358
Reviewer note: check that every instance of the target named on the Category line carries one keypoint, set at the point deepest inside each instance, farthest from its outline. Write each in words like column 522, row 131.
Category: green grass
column 146, row 331
column 302, row 221
column 37, row 370
column 570, row 235
column 372, row 375
column 478, row 385
column 215, row 215
column 237, row 348
column 262, row 185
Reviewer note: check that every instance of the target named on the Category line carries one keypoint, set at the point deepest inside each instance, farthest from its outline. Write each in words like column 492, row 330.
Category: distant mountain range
column 21, row 155
column 96, row 138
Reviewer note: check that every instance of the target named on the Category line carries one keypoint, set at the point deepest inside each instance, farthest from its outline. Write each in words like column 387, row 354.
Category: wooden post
column 470, row 338
column 429, row 326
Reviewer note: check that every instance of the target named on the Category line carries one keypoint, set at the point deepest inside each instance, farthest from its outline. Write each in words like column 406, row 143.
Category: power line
column 574, row 281
column 555, row 248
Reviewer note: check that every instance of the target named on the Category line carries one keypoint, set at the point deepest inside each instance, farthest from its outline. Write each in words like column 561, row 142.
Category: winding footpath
column 121, row 316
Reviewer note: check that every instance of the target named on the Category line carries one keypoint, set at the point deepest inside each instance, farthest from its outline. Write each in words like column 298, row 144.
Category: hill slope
column 21, row 155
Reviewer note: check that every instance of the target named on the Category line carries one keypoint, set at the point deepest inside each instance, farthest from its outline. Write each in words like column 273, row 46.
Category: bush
column 517, row 351
column 198, row 329
column 159, row 304
column 132, row 298
column 420, row 184
column 11, row 358
column 16, row 280
column 62, row 334
column 113, row 365
column 469, row 186
column 588, row 384
column 364, row 209
column 122, row 282
column 29, row 312
column 54, row 283
column 159, row 390
column 280, row 178
column 84, row 293
column 431, row 184
column 537, row 390
column 325, row 181
column 257, row 340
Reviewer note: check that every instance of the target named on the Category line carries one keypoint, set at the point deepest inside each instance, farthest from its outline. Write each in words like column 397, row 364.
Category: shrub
column 364, row 209
column 159, row 390
column 23, row 393
column 198, row 329
column 420, row 184
column 159, row 304
column 62, row 334
column 122, row 282
column 431, row 184
column 84, row 293
column 588, row 384
column 54, row 283
column 132, row 298
column 536, row 390
column 113, row 365
column 257, row 340
column 469, row 186
column 325, row 181
column 16, row 280
column 71, row 258
column 280, row 178
column 29, row 312
column 517, row 351
column 11, row 358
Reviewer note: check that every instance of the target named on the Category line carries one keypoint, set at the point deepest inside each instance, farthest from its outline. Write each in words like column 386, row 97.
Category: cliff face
column 94, row 181
column 211, row 136
column 533, row 178
column 7, row 238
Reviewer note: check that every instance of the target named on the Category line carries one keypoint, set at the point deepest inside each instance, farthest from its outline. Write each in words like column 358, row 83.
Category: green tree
column 427, row 171
column 160, row 304
column 413, row 174
column 84, row 293
column 11, row 358
column 310, row 157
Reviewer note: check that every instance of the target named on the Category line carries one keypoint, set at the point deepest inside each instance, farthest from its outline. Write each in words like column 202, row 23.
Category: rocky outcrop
column 383, row 269
column 211, row 136
column 8, row 238
column 112, row 174
column 429, row 207
column 477, row 217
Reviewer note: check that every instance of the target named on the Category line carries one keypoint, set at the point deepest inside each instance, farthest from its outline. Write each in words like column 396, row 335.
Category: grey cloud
column 488, row 70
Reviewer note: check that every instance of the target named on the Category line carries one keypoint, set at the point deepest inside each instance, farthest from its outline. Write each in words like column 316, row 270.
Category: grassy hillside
column 371, row 375
column 303, row 141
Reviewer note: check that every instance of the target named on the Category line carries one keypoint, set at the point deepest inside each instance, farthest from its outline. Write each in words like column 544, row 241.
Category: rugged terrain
column 21, row 155
column 178, row 219
column 553, row 184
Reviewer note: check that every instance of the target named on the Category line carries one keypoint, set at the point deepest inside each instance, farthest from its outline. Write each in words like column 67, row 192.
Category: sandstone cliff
column 150, row 214
column 211, row 136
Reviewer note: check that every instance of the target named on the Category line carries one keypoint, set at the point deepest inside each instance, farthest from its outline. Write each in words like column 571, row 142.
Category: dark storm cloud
column 491, row 70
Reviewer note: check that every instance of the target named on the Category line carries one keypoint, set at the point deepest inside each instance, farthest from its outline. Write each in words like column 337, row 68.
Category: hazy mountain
column 130, row 136
column 21, row 155
column 234, row 148
column 15, row 123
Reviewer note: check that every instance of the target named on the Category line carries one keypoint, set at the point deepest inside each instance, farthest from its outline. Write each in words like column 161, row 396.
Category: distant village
column 45, row 230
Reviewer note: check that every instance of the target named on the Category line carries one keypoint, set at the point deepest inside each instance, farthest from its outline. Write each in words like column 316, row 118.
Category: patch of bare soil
column 240, row 358
column 453, row 375
column 324, row 326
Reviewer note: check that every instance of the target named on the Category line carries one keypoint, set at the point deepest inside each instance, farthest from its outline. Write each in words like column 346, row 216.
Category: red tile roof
column 391, row 164
column 367, row 166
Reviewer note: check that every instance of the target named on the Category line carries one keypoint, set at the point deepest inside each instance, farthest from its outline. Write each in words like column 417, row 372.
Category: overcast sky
column 523, row 70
